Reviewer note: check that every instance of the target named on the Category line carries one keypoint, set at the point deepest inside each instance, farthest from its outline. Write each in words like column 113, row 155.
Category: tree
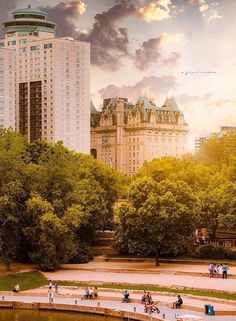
column 218, row 150
column 51, row 241
column 159, row 218
column 9, row 232
column 13, row 193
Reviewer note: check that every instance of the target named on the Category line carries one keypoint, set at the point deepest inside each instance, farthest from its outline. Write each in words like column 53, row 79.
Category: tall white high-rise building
column 7, row 88
column 52, row 84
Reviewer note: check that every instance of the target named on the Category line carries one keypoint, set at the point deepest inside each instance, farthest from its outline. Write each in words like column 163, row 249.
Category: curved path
column 152, row 279
column 129, row 307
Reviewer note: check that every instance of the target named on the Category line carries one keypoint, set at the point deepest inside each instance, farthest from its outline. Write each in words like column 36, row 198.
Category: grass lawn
column 207, row 293
column 26, row 281
column 32, row 280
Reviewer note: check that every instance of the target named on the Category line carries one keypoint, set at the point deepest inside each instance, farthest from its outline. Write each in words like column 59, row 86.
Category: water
column 35, row 315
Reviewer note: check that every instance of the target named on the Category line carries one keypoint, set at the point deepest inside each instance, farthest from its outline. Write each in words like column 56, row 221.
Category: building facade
column 124, row 135
column 7, row 88
column 52, row 85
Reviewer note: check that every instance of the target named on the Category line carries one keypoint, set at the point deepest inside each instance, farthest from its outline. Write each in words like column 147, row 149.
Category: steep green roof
column 146, row 102
column 93, row 109
column 171, row 105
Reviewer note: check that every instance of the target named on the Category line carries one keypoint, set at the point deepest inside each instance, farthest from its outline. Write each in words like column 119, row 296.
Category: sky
column 162, row 48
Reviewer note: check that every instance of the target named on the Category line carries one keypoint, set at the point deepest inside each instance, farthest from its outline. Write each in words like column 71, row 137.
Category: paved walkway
column 168, row 268
column 152, row 279
column 165, row 299
column 169, row 313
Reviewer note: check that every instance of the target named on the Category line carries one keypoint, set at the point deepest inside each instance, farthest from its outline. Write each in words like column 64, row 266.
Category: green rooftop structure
column 29, row 20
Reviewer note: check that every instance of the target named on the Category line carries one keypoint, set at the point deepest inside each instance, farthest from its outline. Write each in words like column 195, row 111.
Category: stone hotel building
column 44, row 81
column 124, row 135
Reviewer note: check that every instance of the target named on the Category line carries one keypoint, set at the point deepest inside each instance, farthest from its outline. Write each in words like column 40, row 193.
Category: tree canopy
column 52, row 201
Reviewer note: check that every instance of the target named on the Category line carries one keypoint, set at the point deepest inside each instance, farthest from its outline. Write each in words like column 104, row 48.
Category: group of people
column 16, row 288
column 90, row 293
column 218, row 270
column 149, row 305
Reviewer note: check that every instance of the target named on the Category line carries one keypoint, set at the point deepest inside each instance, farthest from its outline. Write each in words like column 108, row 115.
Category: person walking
column 50, row 296
column 56, row 288
column 225, row 271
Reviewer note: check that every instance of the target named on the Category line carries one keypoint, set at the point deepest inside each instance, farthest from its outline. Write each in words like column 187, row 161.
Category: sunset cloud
column 149, row 52
column 214, row 14
column 155, row 11
column 155, row 87
column 203, row 6
column 173, row 60
column 6, row 7
column 65, row 14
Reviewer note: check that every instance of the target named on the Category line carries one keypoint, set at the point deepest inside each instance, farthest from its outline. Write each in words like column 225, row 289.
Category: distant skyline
column 180, row 48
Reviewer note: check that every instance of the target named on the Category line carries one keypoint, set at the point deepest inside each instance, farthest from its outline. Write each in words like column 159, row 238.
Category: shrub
column 205, row 251
column 210, row 251
column 83, row 255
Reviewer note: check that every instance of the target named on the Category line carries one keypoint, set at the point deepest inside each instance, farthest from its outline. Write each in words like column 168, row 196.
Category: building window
column 22, row 50
column 47, row 45
column 11, row 43
column 33, row 48
column 2, row 44
column 22, row 41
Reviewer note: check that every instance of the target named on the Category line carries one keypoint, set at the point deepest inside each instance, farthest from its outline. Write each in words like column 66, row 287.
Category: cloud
column 109, row 42
column 219, row 111
column 65, row 14
column 155, row 11
column 214, row 15
column 150, row 51
column 173, row 60
column 154, row 87
column 6, row 7
column 203, row 6
column 148, row 54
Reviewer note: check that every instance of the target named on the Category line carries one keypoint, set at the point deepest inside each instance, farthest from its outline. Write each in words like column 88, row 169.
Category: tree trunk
column 157, row 257
column 7, row 267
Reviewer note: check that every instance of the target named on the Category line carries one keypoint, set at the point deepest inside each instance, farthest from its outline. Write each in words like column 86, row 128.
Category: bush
column 83, row 255
column 210, row 251
column 231, row 254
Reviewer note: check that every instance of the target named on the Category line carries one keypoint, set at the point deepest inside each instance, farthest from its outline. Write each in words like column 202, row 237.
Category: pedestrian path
column 165, row 314
column 146, row 268
column 164, row 299
column 175, row 281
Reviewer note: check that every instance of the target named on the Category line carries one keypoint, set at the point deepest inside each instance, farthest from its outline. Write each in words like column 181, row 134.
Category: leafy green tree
column 13, row 193
column 51, row 241
column 9, row 232
column 159, row 218
column 218, row 150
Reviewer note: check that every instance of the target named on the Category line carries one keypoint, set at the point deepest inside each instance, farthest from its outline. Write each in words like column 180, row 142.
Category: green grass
column 26, row 281
column 32, row 280
column 207, row 293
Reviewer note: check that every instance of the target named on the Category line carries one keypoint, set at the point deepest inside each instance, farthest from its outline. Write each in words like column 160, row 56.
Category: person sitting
column 95, row 292
column 177, row 304
column 16, row 288
column 125, row 297
column 91, row 294
column 144, row 297
column 149, row 298
column 151, row 307
column 86, row 295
